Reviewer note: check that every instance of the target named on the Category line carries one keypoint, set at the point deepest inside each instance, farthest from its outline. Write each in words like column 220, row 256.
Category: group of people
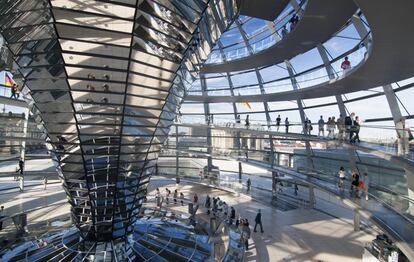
column 348, row 127
column 220, row 209
column 358, row 185
column 175, row 196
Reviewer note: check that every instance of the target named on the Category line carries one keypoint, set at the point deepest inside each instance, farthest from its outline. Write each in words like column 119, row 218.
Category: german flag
column 8, row 80
column 246, row 104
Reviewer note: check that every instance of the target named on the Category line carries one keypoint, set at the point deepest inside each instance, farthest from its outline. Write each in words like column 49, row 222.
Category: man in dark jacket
column 258, row 221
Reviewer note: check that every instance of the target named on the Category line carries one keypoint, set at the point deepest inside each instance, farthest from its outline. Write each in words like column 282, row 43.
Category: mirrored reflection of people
column 21, row 166
column 404, row 136
column 247, row 121
column 248, row 184
column 287, row 125
column 44, row 182
column 2, row 215
column 14, row 92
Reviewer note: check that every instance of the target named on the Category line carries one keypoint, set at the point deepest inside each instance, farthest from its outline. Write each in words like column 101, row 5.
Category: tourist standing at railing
column 175, row 196
column 293, row 22
column 182, row 198
column 404, row 137
column 278, row 119
column 355, row 129
column 247, row 121
column 321, row 126
column 340, row 123
column 309, row 127
column 346, row 65
column 349, row 123
column 284, row 31
column 287, row 125
column 355, row 183
column 342, row 177
column 305, row 126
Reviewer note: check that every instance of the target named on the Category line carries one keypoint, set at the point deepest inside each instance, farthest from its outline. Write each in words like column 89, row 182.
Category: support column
column 396, row 116
column 177, row 160
column 311, row 196
column 357, row 220
column 301, row 112
column 361, row 29
column 207, row 115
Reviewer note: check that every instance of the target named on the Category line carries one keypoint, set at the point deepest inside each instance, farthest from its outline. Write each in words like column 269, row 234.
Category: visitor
column 309, row 127
column 238, row 119
column 232, row 215
column 342, row 177
column 331, row 128
column 293, row 22
column 44, row 182
column 182, row 198
column 258, row 221
column 248, row 184
column 366, row 185
column 247, row 122
column 340, row 123
column 175, row 196
column 284, row 31
column 167, row 195
column 355, row 129
column 246, row 233
column 346, row 65
column 321, row 125
column 404, row 136
column 14, row 92
column 278, row 119
column 349, row 123
column 21, row 166
column 355, row 183
column 195, row 199
column 305, row 126
column 287, row 125
column 207, row 204
column 2, row 215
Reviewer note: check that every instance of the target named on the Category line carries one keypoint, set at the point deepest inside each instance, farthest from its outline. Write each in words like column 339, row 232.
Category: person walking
column 258, row 221
column 287, row 125
column 44, row 182
column 278, row 119
column 321, row 125
column 356, row 127
column 21, row 166
column 14, row 92
column 248, row 184
column 195, row 199
column 310, row 127
column 247, row 121
column 284, row 31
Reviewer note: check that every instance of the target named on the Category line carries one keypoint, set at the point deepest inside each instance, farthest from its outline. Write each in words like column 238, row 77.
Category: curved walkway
column 399, row 227
column 388, row 61
column 263, row 9
column 364, row 147
column 320, row 21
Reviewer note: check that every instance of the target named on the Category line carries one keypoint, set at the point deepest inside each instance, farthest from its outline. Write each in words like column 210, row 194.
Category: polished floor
column 295, row 235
